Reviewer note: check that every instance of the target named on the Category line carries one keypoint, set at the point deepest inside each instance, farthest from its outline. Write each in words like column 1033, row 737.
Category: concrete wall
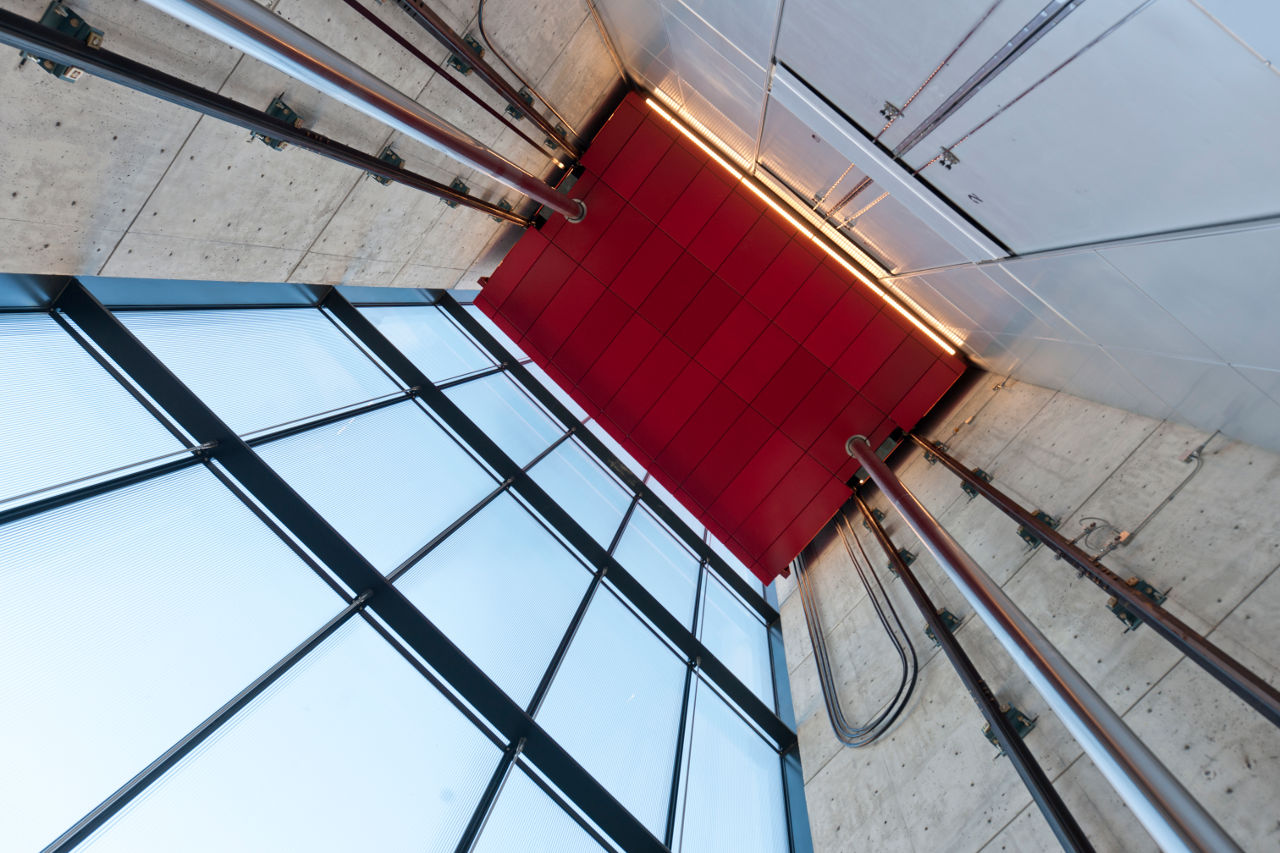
column 934, row 783
column 98, row 179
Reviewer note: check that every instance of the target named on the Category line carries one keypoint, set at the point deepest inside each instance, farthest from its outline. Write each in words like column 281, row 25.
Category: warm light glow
column 807, row 229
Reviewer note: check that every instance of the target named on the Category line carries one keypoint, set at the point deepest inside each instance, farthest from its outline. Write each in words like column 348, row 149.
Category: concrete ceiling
column 1111, row 227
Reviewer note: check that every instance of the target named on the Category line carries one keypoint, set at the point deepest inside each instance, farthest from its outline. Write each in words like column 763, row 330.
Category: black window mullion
column 315, row 533
column 691, row 667
column 568, row 527
column 111, row 806
column 752, row 596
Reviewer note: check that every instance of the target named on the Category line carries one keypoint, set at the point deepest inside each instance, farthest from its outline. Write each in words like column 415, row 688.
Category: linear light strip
column 806, row 228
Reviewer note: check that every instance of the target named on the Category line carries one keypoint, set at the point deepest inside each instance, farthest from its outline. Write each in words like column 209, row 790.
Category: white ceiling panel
column 863, row 53
column 1207, row 395
column 904, row 241
column 749, row 24
column 1131, row 138
column 995, row 311
column 1101, row 379
column 803, row 159
column 1255, row 24
column 1224, row 287
column 725, row 81
column 1100, row 301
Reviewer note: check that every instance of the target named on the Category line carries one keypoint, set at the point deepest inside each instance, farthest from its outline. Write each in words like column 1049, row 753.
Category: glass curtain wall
column 344, row 575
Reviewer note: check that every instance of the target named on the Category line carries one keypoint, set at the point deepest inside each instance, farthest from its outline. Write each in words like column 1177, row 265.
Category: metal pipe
column 413, row 49
column 528, row 87
column 49, row 44
column 609, row 45
column 1236, row 676
column 260, row 33
column 1055, row 811
column 436, row 26
column 1174, row 819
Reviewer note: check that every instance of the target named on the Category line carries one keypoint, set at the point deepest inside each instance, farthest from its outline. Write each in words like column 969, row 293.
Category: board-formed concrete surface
column 98, row 179
column 934, row 783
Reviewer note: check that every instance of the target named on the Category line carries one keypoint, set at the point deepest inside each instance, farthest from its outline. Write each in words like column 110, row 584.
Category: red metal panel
column 697, row 204
column 601, row 326
column 748, row 260
column 890, row 383
column 617, row 244
column 637, row 158
column 814, row 298
column 795, row 263
column 667, row 181
column 615, row 133
column 603, row 205
column 924, row 394
column 846, row 319
column 725, row 229
column 615, row 365
column 674, row 292
column 760, row 362
column 676, row 403
column 814, row 414
column 700, row 434
column 665, row 355
column 566, row 310
column 870, row 349
column 654, row 375
column 646, row 268
column 789, row 385
column 537, row 288
column 731, row 452
column 728, row 342
column 704, row 315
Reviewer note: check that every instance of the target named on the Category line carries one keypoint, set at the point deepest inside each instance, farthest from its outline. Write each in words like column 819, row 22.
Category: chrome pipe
column 1173, row 818
column 260, row 33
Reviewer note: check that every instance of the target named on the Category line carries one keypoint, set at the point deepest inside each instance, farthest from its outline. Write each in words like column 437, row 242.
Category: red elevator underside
column 718, row 344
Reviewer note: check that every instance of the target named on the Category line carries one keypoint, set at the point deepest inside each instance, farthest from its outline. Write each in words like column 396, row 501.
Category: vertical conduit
column 1174, row 819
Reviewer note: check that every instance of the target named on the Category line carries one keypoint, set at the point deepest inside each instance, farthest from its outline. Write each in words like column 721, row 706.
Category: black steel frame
column 211, row 443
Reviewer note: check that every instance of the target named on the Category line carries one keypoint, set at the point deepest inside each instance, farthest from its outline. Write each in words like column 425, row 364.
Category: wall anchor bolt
column 1022, row 725
column 63, row 19
column 1147, row 591
column 514, row 111
column 950, row 621
column 505, row 205
column 387, row 155
column 1033, row 541
column 891, row 112
column 459, row 186
column 877, row 514
column 555, row 143
column 463, row 63
column 907, row 557
column 970, row 490
column 930, row 457
column 948, row 158
column 277, row 109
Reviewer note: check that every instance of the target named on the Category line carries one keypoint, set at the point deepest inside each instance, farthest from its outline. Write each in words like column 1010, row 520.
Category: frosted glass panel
column 525, row 819
column 355, row 751
column 430, row 340
column 388, row 480
column 667, row 569
column 575, row 481
column 259, row 368
column 734, row 563
column 125, row 620
column 61, row 415
column 615, row 706
column 745, row 815
column 506, row 414
column 503, row 589
column 738, row 638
